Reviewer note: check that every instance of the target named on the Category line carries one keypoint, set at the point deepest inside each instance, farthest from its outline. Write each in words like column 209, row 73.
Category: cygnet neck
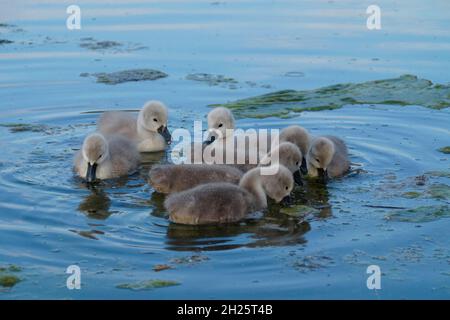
column 251, row 182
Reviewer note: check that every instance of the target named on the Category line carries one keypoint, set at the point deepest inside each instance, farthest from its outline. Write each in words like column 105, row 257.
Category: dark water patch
column 404, row 90
column 445, row 150
column 89, row 234
column 5, row 41
column 420, row 214
column 129, row 76
column 148, row 285
column 7, row 25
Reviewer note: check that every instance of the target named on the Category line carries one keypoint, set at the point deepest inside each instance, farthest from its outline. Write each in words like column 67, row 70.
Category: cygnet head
column 288, row 155
column 220, row 124
column 321, row 154
column 95, row 151
column 298, row 136
column 278, row 186
column 153, row 117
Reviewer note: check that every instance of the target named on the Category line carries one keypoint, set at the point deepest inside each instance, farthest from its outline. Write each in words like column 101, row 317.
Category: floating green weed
column 129, row 75
column 404, row 90
column 420, row 214
column 24, row 127
column 411, row 194
column 148, row 285
column 441, row 174
column 8, row 281
column 299, row 211
column 445, row 150
column 439, row 191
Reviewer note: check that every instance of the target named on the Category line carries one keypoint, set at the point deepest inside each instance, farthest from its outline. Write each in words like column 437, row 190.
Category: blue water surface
column 118, row 232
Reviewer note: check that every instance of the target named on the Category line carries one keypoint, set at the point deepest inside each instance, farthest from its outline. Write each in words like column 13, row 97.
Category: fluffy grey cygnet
column 149, row 131
column 105, row 157
column 216, row 203
column 327, row 157
column 175, row 178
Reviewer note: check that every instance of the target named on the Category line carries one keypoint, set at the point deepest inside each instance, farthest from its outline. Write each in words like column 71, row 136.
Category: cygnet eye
column 296, row 163
column 99, row 157
column 286, row 187
column 154, row 119
column 220, row 125
column 318, row 160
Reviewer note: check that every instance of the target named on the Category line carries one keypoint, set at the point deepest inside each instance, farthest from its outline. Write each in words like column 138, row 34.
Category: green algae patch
column 223, row 81
column 148, row 285
column 25, row 127
column 129, row 76
column 92, row 44
column 439, row 191
column 161, row 267
column 298, row 211
column 420, row 214
column 445, row 150
column 8, row 281
column 109, row 45
column 404, row 90
column 440, row 174
column 211, row 79
column 10, row 268
column 411, row 194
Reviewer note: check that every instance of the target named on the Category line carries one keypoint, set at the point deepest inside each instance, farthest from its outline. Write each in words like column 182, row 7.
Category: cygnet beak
column 323, row 174
column 298, row 178
column 91, row 170
column 165, row 133
column 286, row 201
column 210, row 140
column 304, row 167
